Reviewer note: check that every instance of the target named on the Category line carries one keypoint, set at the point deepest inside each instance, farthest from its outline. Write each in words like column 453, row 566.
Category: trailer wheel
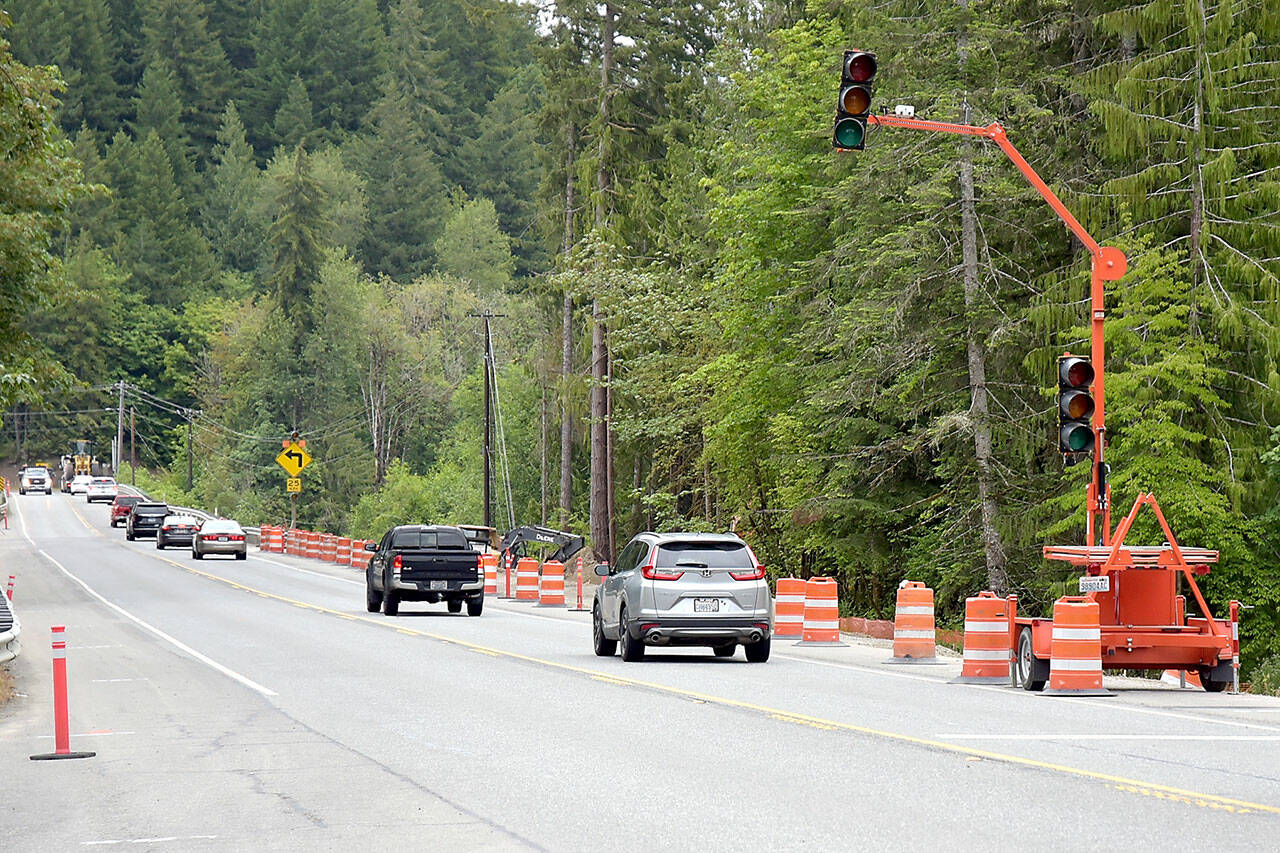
column 1032, row 672
column 1209, row 682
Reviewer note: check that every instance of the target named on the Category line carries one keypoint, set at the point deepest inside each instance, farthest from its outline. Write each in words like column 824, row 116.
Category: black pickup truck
column 424, row 562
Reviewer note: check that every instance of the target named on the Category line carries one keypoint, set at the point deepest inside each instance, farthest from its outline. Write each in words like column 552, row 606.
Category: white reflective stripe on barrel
column 819, row 624
column 1076, row 665
column 986, row 627
column 985, row 654
column 914, row 610
column 790, row 598
column 914, row 635
column 1077, row 633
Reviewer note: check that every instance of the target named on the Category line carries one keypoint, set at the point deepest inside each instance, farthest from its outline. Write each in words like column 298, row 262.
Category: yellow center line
column 1118, row 783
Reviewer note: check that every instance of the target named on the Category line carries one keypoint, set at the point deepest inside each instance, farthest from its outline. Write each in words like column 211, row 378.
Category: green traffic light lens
column 850, row 133
column 1076, row 438
column 856, row 100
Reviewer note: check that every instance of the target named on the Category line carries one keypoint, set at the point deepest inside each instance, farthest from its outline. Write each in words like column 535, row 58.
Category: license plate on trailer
column 706, row 605
column 439, row 585
column 1095, row 583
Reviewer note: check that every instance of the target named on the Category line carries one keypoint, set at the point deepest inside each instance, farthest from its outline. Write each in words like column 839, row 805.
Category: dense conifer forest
column 268, row 215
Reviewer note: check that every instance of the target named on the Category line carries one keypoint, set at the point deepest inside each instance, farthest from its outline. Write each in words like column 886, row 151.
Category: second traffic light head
column 857, row 75
column 1075, row 404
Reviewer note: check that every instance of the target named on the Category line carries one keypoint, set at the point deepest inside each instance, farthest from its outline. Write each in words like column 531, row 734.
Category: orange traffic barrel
column 986, row 641
column 788, row 610
column 551, row 590
column 489, row 563
column 359, row 556
column 328, row 547
column 1075, row 663
column 821, row 614
column 276, row 543
column 343, row 555
column 913, row 629
column 527, row 579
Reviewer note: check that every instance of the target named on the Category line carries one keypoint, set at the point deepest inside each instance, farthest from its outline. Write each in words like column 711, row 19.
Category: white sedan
column 100, row 489
column 80, row 484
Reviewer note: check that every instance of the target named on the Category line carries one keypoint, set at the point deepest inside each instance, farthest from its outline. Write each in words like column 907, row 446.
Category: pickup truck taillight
column 397, row 563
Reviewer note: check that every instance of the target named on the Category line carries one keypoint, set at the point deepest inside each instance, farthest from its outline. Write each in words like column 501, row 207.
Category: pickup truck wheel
column 605, row 647
column 725, row 651
column 372, row 598
column 632, row 649
column 455, row 605
column 390, row 601
column 758, row 652
column 475, row 605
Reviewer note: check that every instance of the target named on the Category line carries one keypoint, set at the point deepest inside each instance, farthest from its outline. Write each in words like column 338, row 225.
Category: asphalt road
column 255, row 705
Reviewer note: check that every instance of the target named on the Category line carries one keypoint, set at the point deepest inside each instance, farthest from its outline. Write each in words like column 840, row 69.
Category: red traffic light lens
column 860, row 67
column 855, row 99
column 1075, row 372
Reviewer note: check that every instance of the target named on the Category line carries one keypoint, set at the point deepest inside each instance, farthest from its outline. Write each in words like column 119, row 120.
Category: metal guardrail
column 10, row 628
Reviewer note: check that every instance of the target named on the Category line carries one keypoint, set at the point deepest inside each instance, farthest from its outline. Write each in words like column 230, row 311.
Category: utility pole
column 133, row 450
column 191, row 416
column 488, row 419
column 293, row 497
column 117, row 451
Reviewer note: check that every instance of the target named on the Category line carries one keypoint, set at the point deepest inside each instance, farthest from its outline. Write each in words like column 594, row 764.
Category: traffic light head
column 857, row 74
column 1075, row 404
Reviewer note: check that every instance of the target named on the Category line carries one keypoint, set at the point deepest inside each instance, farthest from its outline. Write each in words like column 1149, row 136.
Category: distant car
column 102, row 489
column 35, row 480
column 683, row 589
column 219, row 536
column 145, row 519
column 80, row 484
column 121, row 507
column 177, row 530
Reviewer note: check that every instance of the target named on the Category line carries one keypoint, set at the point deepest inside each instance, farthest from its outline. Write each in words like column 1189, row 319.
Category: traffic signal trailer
column 1144, row 623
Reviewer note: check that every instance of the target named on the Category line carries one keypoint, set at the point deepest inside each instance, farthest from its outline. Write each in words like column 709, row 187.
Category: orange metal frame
column 1107, row 263
column 1144, row 621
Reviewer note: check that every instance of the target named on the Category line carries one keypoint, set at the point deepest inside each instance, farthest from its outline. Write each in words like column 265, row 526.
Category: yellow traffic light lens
column 850, row 133
column 1079, row 406
column 856, row 100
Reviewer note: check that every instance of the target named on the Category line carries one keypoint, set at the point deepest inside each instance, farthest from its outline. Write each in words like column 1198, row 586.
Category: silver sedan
column 219, row 536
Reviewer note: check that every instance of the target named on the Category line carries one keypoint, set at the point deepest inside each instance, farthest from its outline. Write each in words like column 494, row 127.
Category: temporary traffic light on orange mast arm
column 857, row 76
column 1075, row 404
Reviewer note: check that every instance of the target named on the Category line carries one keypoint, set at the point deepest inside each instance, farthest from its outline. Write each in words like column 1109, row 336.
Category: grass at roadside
column 6, row 685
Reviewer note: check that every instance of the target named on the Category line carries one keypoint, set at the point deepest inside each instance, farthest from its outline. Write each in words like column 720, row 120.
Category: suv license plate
column 439, row 585
column 706, row 605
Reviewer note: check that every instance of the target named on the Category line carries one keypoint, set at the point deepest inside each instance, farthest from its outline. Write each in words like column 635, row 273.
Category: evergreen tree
column 232, row 22
column 178, row 32
column 158, row 108
column 293, row 123
column 229, row 217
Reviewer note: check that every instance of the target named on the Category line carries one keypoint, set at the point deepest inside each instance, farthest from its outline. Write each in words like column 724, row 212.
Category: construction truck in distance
column 80, row 461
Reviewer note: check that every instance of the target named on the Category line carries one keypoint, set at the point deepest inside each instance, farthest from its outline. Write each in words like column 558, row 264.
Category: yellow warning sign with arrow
column 293, row 458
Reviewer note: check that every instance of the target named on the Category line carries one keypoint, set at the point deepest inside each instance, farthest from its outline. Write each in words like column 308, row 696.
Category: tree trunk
column 600, row 464
column 566, row 354
column 997, row 576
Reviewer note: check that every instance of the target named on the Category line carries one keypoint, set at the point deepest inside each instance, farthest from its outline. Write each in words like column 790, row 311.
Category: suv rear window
column 411, row 539
column 151, row 509
column 710, row 555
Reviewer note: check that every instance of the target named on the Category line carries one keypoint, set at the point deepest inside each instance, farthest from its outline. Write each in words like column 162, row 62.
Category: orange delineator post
column 551, row 589
column 61, row 723
column 508, row 561
column 9, row 592
column 1075, row 668
column 527, row 579
column 489, row 564
column 913, row 625
column 788, row 617
column 821, row 614
column 579, row 608
column 986, row 640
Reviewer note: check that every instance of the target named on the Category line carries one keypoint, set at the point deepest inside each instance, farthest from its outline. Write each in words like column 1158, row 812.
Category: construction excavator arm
column 517, row 539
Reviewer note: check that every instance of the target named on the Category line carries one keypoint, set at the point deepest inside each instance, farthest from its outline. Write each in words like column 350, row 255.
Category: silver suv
column 683, row 589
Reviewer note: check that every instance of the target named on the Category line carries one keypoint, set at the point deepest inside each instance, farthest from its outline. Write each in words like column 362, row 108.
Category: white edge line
column 205, row 659
column 1108, row 736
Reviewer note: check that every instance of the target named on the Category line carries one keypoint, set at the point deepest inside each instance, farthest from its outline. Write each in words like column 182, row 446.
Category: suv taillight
column 656, row 574
column 753, row 575
column 397, row 563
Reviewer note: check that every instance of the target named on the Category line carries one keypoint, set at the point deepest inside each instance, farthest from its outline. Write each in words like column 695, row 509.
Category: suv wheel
column 605, row 647
column 632, row 649
column 758, row 652
column 128, row 534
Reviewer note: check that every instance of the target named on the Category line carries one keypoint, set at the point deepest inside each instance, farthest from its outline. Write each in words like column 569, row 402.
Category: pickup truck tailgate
column 427, row 566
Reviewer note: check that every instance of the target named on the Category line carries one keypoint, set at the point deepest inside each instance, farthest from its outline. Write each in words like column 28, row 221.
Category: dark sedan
column 219, row 536
column 177, row 530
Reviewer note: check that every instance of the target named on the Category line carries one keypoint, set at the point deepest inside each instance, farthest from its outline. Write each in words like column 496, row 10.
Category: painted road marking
column 89, row 734
column 1109, row 736
column 1116, row 782
column 110, row 680
column 160, row 840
